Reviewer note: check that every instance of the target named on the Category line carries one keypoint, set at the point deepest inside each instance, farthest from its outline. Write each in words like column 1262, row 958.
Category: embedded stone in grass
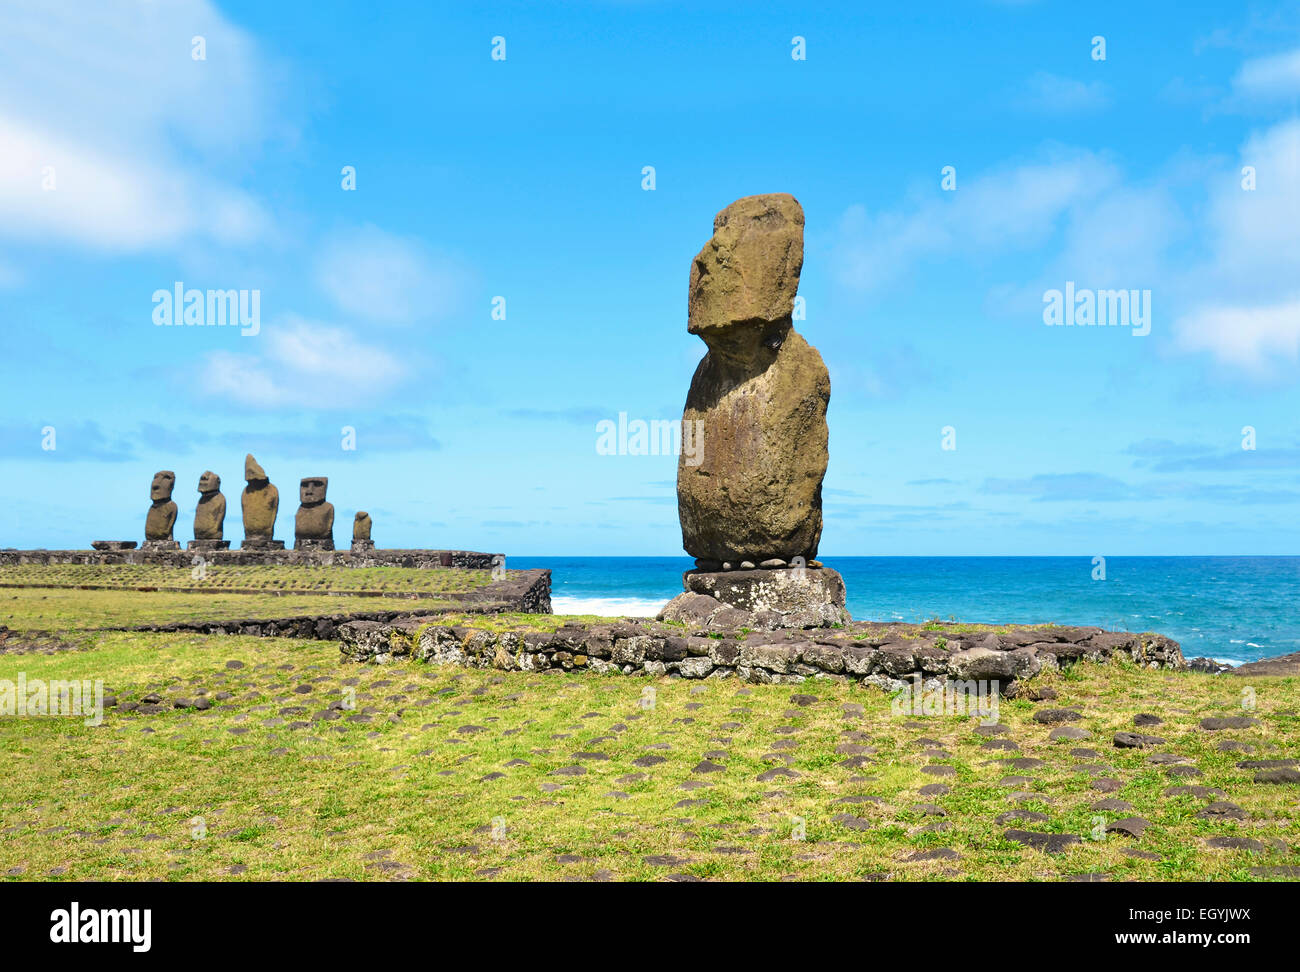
column 936, row 854
column 650, row 760
column 1278, row 776
column 1106, row 784
column 1029, row 796
column 1136, row 740
column 1047, row 843
column 861, row 798
column 1288, row 872
column 587, row 757
column 570, row 771
column 1182, row 771
column 1129, row 826
column 1053, row 716
column 1216, row 723
column 1003, row 744
column 708, row 766
column 1112, row 805
column 1222, row 809
column 851, row 822
column 665, row 860
column 1021, row 816
column 1267, row 763
column 1246, row 844
column 929, row 810
column 935, row 789
column 234, row 664
column 1146, row 719
column 1200, row 792
column 1069, row 732
column 939, row 770
column 779, row 772
column 1015, row 781
column 995, row 729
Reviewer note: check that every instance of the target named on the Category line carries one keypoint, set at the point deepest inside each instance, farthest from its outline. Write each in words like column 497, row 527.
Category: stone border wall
column 886, row 655
column 527, row 592
column 343, row 557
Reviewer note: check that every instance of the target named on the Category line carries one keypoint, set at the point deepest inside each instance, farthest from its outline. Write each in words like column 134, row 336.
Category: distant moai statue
column 161, row 519
column 361, row 532
column 209, row 515
column 313, row 526
column 260, row 502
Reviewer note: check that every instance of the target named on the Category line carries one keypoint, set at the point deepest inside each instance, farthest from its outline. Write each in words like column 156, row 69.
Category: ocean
column 1233, row 609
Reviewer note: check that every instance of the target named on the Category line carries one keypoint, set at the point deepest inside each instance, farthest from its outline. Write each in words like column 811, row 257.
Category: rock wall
column 527, row 592
column 886, row 655
column 317, row 558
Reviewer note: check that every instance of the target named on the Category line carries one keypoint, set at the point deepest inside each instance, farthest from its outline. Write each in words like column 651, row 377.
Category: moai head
column 311, row 490
column 252, row 471
column 209, row 482
column 163, row 482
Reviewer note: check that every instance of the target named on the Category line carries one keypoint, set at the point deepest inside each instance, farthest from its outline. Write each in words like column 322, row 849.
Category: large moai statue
column 313, row 526
column 161, row 519
column 260, row 502
column 361, row 532
column 750, row 498
column 209, row 515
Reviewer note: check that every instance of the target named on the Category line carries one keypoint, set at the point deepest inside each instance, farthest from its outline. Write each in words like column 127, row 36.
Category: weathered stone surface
column 769, row 599
column 113, row 544
column 161, row 518
column 259, row 502
column 361, row 526
column 210, row 514
column 752, row 492
column 313, row 526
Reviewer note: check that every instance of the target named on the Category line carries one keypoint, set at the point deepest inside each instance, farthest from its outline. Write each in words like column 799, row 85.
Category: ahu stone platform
column 885, row 655
column 424, row 559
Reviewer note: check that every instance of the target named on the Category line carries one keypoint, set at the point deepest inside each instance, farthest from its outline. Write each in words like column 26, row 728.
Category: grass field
column 306, row 769
column 54, row 598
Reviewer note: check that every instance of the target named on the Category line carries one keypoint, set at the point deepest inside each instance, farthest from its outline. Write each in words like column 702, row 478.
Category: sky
column 145, row 143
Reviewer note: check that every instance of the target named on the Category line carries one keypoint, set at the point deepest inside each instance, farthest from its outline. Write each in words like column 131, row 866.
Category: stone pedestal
column 261, row 543
column 362, row 546
column 161, row 545
column 767, row 599
column 113, row 544
column 208, row 545
column 311, row 543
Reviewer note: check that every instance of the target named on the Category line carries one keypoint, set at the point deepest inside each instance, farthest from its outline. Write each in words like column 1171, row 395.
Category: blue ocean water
column 1234, row 609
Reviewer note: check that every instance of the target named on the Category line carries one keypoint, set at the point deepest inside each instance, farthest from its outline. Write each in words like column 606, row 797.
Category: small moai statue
column 161, row 519
column 209, row 515
column 260, row 502
column 313, row 527
column 361, row 532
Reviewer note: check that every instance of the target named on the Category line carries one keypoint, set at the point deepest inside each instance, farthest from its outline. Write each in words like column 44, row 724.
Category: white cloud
column 1246, row 338
column 1012, row 208
column 107, row 94
column 1052, row 94
column 1276, row 76
column 302, row 362
column 384, row 278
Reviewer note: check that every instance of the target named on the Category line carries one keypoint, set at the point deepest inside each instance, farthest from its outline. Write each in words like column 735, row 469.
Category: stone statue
column 162, row 514
column 750, row 499
column 313, row 527
column 761, row 393
column 210, row 514
column 260, row 502
column 361, row 532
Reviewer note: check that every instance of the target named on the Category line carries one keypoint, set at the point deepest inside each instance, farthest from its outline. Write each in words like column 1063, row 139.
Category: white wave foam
column 608, row 607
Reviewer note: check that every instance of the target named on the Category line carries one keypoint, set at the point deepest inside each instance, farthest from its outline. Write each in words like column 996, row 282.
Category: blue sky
column 522, row 178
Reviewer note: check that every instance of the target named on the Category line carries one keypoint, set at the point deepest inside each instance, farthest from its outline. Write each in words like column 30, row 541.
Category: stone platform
column 888, row 656
column 763, row 599
column 425, row 559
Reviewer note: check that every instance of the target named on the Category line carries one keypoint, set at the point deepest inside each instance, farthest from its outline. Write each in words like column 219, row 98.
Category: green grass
column 234, row 793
